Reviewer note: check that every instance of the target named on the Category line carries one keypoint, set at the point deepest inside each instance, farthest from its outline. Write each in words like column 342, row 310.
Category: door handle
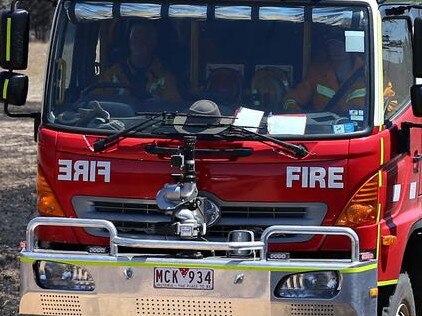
column 417, row 158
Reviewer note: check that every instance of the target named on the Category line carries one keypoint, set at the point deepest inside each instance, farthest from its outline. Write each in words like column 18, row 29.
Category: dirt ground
column 17, row 182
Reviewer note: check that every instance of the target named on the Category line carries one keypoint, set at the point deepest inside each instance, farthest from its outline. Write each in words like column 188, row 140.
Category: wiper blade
column 297, row 151
column 155, row 118
column 105, row 143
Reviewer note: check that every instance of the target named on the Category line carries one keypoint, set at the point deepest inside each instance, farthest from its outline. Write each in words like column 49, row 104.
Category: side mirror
column 13, row 88
column 14, row 39
column 416, row 95
column 417, row 48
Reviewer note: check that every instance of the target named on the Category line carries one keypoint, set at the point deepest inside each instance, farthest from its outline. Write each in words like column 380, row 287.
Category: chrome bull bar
column 261, row 246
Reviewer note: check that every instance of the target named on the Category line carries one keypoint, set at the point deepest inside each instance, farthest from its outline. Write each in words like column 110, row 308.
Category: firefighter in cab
column 333, row 83
column 142, row 70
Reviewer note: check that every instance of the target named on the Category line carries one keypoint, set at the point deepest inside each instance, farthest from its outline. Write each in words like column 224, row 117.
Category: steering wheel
column 107, row 85
column 341, row 120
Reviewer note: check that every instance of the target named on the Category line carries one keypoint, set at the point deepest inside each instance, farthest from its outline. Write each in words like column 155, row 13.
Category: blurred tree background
column 41, row 12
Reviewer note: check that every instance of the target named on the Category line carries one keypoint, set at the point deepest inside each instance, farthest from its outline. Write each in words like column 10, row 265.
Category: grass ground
column 36, row 70
column 17, row 182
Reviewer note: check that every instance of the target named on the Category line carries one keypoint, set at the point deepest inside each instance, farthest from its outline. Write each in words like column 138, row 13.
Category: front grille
column 151, row 208
column 138, row 218
column 273, row 212
column 127, row 208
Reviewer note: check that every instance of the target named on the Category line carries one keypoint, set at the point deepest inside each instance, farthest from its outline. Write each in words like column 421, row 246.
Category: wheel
column 402, row 302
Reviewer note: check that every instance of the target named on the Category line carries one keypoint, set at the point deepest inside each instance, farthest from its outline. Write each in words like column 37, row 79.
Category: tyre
column 402, row 302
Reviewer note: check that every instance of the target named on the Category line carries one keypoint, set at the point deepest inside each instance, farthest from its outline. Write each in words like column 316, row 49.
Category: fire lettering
column 83, row 170
column 315, row 177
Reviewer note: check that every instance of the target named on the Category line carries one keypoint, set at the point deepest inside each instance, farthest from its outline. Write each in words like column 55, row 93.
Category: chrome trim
column 73, row 222
column 261, row 246
column 188, row 244
column 317, row 230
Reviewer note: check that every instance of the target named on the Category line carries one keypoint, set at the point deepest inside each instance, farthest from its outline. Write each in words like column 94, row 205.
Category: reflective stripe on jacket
column 321, row 84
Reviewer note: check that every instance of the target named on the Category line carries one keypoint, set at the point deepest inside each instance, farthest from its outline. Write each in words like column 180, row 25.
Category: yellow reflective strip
column 380, row 178
column 289, row 101
column 8, row 37
column 361, row 91
column 378, row 231
column 358, row 93
column 197, row 265
column 382, row 151
column 5, row 86
column 325, row 91
column 388, row 282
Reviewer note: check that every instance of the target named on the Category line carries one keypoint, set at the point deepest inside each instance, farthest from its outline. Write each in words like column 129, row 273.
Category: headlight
column 321, row 284
column 62, row 276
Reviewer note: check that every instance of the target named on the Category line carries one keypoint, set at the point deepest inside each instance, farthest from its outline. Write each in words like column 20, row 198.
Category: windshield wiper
column 155, row 118
column 297, row 151
column 105, row 143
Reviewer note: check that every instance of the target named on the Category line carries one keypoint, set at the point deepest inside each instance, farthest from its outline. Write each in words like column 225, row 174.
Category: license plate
column 184, row 278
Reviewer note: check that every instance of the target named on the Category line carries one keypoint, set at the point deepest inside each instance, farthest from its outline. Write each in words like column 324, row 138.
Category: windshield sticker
column 355, row 41
column 248, row 118
column 356, row 115
column 286, row 124
column 343, row 128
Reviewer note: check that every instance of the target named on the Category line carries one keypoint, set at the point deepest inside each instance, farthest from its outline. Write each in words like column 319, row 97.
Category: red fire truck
column 194, row 158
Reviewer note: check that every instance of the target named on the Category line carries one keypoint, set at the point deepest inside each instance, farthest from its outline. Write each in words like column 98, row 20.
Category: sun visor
column 88, row 11
column 286, row 14
column 233, row 12
column 188, row 11
column 141, row 10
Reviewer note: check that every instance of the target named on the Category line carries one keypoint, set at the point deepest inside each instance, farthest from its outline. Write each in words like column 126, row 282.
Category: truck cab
column 265, row 156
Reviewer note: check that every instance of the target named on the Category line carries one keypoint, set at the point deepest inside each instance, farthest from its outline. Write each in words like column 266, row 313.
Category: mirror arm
column 10, row 114
column 405, row 135
column 33, row 115
column 13, row 5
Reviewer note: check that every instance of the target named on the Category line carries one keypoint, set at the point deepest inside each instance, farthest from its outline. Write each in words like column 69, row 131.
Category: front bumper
column 241, row 286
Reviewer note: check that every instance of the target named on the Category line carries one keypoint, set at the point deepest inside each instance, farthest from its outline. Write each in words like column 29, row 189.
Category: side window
column 63, row 65
column 67, row 54
column 397, row 64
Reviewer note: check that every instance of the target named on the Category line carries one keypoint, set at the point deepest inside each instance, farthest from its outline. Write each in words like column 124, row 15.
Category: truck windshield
column 279, row 70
